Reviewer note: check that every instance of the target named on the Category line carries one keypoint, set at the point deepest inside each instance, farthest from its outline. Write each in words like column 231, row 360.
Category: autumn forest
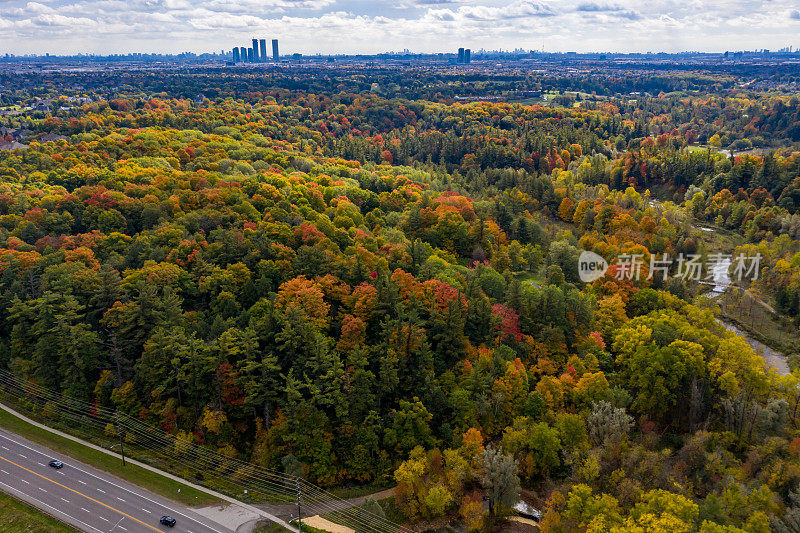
column 370, row 283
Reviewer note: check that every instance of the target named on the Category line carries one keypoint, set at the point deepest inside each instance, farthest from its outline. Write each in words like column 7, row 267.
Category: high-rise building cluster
column 256, row 53
column 464, row 56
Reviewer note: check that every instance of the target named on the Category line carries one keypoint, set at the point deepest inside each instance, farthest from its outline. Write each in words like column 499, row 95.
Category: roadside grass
column 269, row 527
column 135, row 474
column 19, row 517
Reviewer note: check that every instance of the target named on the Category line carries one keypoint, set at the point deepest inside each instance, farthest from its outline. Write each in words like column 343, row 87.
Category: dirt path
column 288, row 510
column 326, row 525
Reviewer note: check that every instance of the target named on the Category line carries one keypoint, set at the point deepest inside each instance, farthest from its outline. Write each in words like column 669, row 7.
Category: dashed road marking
column 78, row 493
column 87, row 526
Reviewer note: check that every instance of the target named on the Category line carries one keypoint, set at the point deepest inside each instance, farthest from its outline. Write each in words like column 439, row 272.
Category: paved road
column 87, row 498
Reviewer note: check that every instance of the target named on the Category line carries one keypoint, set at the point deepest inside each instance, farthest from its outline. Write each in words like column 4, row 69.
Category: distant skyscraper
column 235, row 54
column 255, row 51
column 275, row 50
column 460, row 55
column 249, row 55
column 467, row 54
column 263, row 44
column 243, row 53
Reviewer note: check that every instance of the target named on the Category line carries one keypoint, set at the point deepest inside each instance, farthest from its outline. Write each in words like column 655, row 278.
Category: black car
column 55, row 463
column 167, row 521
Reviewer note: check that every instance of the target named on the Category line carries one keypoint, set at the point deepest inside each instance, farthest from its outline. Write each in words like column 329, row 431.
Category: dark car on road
column 55, row 463
column 167, row 521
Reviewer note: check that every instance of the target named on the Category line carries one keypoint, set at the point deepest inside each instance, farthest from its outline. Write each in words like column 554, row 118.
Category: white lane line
column 122, row 528
column 85, row 509
column 41, row 489
column 6, row 473
column 146, row 511
column 101, row 490
column 64, row 500
column 41, row 464
column 25, row 481
column 22, row 456
column 120, row 499
column 165, row 505
column 6, row 449
column 106, row 519
column 59, row 511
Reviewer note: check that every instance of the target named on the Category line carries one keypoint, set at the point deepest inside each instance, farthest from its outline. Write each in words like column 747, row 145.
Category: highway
column 85, row 497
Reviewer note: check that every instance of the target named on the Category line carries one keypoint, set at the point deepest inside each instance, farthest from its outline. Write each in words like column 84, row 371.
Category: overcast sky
column 349, row 26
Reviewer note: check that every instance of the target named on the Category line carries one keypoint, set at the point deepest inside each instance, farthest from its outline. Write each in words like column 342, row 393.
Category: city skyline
column 423, row 26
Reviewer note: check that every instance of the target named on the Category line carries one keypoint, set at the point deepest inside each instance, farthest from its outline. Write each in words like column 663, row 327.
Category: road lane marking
column 126, row 489
column 85, row 509
column 79, row 493
column 41, row 489
column 120, row 499
column 146, row 511
column 50, row 507
column 42, row 464
column 6, row 473
column 106, row 519
column 101, row 490
column 64, row 500
column 123, row 528
column 22, row 456
column 6, row 449
column 25, row 481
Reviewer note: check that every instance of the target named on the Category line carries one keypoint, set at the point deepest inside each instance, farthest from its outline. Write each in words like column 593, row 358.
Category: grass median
column 135, row 474
column 19, row 517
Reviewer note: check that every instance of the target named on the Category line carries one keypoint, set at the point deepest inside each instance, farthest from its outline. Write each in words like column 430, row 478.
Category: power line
column 235, row 474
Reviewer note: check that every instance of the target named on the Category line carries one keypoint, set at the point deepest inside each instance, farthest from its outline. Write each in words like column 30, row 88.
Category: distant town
column 257, row 53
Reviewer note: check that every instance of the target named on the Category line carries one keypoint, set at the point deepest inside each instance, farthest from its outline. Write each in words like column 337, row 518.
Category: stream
column 774, row 359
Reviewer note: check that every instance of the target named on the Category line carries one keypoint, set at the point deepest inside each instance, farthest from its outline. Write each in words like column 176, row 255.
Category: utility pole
column 299, row 498
column 119, row 432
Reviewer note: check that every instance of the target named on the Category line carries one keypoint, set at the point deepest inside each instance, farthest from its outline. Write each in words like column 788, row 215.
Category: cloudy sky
column 349, row 26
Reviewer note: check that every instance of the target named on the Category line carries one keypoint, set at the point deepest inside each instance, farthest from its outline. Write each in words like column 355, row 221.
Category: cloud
column 630, row 15
column 56, row 20
column 350, row 26
column 515, row 10
column 594, row 7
